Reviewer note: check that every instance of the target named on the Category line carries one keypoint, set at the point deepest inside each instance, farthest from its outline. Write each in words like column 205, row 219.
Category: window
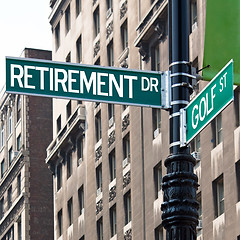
column 237, row 167
column 156, row 121
column 126, row 147
column 159, row 233
column 80, row 150
column 97, row 61
column 79, row 49
column 19, row 106
column 195, row 144
column 59, row 123
column 2, row 208
column 96, row 22
column 67, row 19
column 109, row 5
column 19, row 228
column 9, row 197
column 2, row 136
column 81, row 200
column 69, row 164
column 100, row 229
column 156, row 58
column 157, row 171
column 69, row 109
column 124, row 35
column 99, row 179
column 19, row 185
column 193, row 14
column 59, row 176
column 57, row 36
column 127, row 207
column 19, row 142
column 82, row 238
column 70, row 211
column 113, row 220
column 10, row 156
column 10, row 123
column 217, row 130
column 2, row 168
column 218, row 191
column 78, row 7
column 110, row 54
column 59, row 216
column 98, row 127
column 68, row 58
column 112, row 165
column 110, row 115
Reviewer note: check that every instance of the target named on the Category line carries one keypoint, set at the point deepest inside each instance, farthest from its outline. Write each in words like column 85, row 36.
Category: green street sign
column 207, row 105
column 88, row 83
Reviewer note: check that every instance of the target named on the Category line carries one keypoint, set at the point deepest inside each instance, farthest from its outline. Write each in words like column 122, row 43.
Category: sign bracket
column 183, row 127
column 166, row 89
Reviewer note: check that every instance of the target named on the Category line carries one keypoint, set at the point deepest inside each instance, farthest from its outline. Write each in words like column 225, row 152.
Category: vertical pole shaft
column 180, row 215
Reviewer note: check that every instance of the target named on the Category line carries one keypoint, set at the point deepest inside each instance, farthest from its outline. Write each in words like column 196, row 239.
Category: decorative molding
column 98, row 153
column 125, row 122
column 160, row 29
column 109, row 29
column 112, row 193
column 111, row 138
column 128, row 234
column 126, row 179
column 144, row 50
column 123, row 9
column 96, row 48
column 99, row 206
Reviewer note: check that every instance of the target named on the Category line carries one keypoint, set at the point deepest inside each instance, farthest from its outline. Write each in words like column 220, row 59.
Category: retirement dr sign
column 83, row 82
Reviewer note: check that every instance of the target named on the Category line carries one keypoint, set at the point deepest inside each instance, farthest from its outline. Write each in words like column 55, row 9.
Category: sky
column 23, row 24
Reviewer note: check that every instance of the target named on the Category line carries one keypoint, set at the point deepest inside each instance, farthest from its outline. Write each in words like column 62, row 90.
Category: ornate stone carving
column 109, row 29
column 160, row 30
column 126, row 179
column 111, row 138
column 123, row 9
column 12, row 216
column 98, row 153
column 94, row 1
column 112, row 193
column 125, row 122
column 143, row 50
column 99, row 206
column 124, row 63
column 96, row 48
column 128, row 234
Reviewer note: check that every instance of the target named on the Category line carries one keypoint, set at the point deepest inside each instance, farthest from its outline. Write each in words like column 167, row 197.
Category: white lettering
column 154, row 85
column 145, row 80
column 92, row 81
column 72, row 80
column 119, row 88
column 27, row 76
column 42, row 70
column 59, row 80
column 101, row 83
column 203, row 100
column 51, row 79
column 194, row 125
column 18, row 77
column 130, row 78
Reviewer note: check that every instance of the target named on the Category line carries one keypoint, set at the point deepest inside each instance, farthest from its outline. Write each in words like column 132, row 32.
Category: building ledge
column 73, row 124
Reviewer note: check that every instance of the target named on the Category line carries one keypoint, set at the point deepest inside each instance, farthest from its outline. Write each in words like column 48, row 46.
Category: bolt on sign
column 208, row 104
column 84, row 82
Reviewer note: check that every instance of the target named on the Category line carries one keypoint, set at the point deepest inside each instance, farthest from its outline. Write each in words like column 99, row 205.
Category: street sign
column 207, row 105
column 88, row 83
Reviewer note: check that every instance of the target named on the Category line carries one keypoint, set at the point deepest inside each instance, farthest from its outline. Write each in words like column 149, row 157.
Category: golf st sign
column 84, row 82
column 207, row 105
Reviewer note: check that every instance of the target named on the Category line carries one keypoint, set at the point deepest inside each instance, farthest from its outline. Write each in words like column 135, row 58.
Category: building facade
column 26, row 206
column 108, row 160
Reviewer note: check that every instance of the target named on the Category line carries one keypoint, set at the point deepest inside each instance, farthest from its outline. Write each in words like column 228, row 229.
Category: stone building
column 26, row 205
column 108, row 160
